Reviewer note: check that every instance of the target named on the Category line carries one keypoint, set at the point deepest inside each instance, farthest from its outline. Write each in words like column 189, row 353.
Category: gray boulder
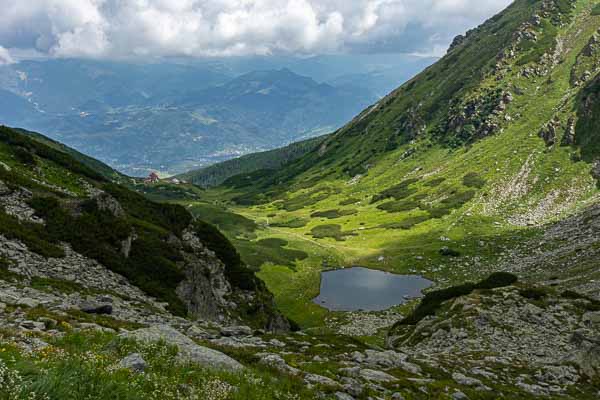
column 315, row 379
column 134, row 362
column 189, row 351
column 376, row 376
column 367, row 374
column 465, row 380
column 596, row 169
column 33, row 325
column 275, row 361
column 468, row 381
column 26, row 301
column 458, row 395
column 196, row 332
column 591, row 318
column 386, row 359
column 342, row 396
column 236, row 331
column 587, row 355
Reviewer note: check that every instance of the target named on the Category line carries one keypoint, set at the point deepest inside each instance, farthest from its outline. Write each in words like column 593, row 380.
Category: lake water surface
column 357, row 288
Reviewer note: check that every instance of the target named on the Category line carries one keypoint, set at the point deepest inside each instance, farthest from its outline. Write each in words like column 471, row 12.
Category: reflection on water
column 358, row 288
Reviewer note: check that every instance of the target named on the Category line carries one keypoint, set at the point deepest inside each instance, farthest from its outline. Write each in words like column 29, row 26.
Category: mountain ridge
column 353, row 148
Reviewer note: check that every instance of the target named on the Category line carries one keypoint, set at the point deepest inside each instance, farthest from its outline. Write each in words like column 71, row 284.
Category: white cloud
column 5, row 57
column 129, row 28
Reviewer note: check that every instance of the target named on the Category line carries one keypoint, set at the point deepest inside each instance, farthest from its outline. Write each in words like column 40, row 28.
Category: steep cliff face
column 586, row 135
column 58, row 215
column 205, row 288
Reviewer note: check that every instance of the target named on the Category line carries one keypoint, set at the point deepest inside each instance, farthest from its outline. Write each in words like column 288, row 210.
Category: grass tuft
column 332, row 214
column 434, row 300
column 330, row 231
column 473, row 180
column 406, row 223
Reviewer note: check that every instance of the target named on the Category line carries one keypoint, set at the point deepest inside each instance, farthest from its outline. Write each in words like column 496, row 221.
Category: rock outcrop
column 457, row 41
column 596, row 170
column 189, row 351
column 134, row 362
column 587, row 353
column 205, row 289
column 533, row 329
column 549, row 132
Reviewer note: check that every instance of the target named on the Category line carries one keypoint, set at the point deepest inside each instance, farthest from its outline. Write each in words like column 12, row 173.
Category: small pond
column 357, row 288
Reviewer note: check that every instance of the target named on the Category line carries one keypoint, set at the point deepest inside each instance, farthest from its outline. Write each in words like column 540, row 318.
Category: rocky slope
column 513, row 342
column 522, row 339
column 566, row 254
column 65, row 225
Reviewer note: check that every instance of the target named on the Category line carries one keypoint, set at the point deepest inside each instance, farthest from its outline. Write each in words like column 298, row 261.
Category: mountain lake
column 358, row 288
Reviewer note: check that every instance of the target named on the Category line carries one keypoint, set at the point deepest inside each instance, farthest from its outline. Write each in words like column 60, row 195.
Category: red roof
column 153, row 177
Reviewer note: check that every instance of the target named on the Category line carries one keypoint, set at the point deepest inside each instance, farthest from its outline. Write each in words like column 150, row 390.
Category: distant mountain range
column 177, row 116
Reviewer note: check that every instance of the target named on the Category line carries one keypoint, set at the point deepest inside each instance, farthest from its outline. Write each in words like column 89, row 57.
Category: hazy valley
column 173, row 117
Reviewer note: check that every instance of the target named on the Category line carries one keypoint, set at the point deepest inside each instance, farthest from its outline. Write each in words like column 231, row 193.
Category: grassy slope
column 85, row 365
column 525, row 183
column 98, row 166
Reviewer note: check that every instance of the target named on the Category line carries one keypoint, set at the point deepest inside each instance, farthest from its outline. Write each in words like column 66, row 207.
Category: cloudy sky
column 199, row 28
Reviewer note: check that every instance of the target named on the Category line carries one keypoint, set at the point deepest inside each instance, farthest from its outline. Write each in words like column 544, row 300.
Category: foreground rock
column 499, row 334
column 134, row 362
column 587, row 355
column 189, row 351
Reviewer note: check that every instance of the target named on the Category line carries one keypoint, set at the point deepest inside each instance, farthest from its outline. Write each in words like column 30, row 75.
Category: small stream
column 358, row 288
